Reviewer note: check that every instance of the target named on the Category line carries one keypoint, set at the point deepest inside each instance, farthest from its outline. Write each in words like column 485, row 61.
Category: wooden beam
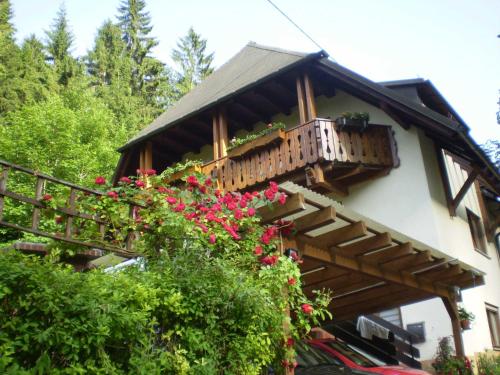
column 463, row 190
column 324, row 276
column 337, row 236
column 216, row 136
column 315, row 220
column 386, row 108
column 321, row 253
column 451, row 308
column 310, row 103
column 315, row 178
column 294, row 204
column 406, row 261
column 341, row 279
column 366, row 245
column 274, row 97
column 191, row 136
column 301, row 101
column 438, row 274
column 388, row 253
column 254, row 109
column 223, row 133
column 425, row 265
column 355, row 286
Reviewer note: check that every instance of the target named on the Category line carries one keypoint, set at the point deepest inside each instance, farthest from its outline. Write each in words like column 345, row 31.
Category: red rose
column 269, row 260
column 258, row 250
column 100, row 180
column 251, row 211
column 180, row 207
column 150, row 172
column 231, row 206
column 307, row 308
column 238, row 214
column 192, row 180
column 273, row 186
column 171, row 200
column 282, row 198
column 270, row 194
column 290, row 342
column 113, row 194
column 212, row 238
column 59, row 219
column 125, row 180
column 208, row 182
column 47, row 197
column 163, row 190
column 291, row 281
column 139, row 183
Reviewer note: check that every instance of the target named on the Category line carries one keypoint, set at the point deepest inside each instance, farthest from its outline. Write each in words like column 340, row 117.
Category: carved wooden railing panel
column 316, row 141
column 71, row 213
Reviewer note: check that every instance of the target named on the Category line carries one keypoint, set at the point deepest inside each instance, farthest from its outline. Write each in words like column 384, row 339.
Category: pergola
column 368, row 266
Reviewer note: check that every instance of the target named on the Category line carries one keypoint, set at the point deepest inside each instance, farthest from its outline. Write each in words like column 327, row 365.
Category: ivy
column 236, row 142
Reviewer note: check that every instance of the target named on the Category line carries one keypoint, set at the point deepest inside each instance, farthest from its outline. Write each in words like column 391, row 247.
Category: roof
column 256, row 63
column 247, row 68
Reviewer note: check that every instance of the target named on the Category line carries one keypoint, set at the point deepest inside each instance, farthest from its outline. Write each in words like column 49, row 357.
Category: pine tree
column 108, row 62
column 38, row 79
column 59, row 43
column 194, row 65
column 150, row 79
column 9, row 61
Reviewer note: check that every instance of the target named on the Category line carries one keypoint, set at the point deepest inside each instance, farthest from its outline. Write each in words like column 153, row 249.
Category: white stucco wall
column 411, row 200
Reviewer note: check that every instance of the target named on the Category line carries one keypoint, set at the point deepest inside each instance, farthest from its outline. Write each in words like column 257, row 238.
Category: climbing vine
column 213, row 291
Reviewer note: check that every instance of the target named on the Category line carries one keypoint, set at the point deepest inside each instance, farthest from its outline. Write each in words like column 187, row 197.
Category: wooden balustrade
column 317, row 141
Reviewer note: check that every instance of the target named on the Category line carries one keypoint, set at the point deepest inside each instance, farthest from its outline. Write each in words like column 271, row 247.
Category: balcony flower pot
column 465, row 324
column 186, row 171
column 351, row 124
column 267, row 140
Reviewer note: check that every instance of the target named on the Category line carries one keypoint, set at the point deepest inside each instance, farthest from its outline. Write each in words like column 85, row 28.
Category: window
column 494, row 323
column 418, row 329
column 476, row 231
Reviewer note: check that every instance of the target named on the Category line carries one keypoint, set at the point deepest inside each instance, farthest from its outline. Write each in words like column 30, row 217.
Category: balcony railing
column 318, row 141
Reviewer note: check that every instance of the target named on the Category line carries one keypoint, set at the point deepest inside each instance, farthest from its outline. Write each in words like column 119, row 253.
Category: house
column 396, row 214
column 416, row 196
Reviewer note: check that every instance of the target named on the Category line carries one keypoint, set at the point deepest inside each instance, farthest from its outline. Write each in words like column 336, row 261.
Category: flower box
column 465, row 324
column 273, row 138
column 178, row 175
column 351, row 124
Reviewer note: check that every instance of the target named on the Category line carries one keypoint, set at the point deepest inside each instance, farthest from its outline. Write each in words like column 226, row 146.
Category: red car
column 357, row 361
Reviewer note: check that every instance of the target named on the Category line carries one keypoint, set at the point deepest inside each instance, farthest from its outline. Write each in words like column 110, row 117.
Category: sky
column 453, row 43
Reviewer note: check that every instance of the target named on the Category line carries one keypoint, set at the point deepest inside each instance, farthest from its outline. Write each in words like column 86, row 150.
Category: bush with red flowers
column 228, row 269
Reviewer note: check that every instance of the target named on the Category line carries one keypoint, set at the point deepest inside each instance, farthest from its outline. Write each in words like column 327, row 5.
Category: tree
column 9, row 61
column 38, row 80
column 149, row 78
column 107, row 62
column 58, row 45
column 193, row 64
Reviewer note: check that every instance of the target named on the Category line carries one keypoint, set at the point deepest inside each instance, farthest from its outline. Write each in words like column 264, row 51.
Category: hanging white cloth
column 368, row 328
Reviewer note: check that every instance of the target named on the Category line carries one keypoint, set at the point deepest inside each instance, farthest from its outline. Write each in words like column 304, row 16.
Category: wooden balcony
column 316, row 154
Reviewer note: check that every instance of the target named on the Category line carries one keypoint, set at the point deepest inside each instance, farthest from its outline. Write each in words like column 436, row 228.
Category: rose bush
column 214, row 292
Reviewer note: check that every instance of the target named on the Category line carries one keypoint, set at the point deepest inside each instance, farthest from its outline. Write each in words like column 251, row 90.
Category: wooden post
column 3, row 187
column 451, row 307
column 223, row 133
column 301, row 100
column 148, row 156
column 311, row 104
column 35, row 219
column 444, row 178
column 215, row 130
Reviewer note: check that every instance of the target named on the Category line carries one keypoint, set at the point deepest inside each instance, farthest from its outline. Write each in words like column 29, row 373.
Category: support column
column 146, row 157
column 451, row 307
column 215, row 130
column 311, row 104
column 301, row 105
column 223, row 133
